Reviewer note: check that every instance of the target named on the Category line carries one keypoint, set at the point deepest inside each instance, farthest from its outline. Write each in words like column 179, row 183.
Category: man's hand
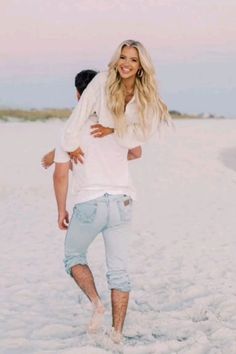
column 77, row 155
column 99, row 131
column 63, row 220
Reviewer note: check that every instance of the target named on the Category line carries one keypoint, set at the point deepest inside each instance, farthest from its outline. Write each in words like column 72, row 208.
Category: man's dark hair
column 83, row 78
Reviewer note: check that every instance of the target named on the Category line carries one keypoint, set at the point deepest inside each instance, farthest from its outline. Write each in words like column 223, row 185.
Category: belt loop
column 106, row 195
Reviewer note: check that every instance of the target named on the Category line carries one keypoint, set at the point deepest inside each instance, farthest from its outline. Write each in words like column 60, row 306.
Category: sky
column 44, row 43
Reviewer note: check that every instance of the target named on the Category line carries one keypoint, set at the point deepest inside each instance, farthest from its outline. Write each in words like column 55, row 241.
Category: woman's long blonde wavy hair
column 146, row 92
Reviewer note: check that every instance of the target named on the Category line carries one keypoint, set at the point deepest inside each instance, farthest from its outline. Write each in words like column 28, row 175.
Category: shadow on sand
column 228, row 157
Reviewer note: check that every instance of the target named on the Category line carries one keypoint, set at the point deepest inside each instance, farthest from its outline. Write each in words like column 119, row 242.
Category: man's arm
column 134, row 153
column 60, row 180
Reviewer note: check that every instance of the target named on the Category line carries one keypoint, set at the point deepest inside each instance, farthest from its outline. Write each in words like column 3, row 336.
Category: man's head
column 82, row 80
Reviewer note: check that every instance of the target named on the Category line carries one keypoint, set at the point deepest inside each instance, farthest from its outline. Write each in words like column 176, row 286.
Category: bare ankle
column 116, row 335
column 97, row 317
column 98, row 305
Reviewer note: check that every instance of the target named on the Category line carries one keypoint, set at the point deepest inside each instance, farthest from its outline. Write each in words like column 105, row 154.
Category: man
column 103, row 204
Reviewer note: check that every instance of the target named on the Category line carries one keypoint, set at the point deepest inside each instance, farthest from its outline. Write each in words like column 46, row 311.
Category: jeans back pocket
column 125, row 209
column 86, row 212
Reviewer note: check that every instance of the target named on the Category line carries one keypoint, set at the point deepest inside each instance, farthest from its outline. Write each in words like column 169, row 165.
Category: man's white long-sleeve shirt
column 105, row 168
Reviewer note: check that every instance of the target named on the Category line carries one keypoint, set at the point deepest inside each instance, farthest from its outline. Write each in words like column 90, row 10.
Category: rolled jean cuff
column 73, row 261
column 119, row 280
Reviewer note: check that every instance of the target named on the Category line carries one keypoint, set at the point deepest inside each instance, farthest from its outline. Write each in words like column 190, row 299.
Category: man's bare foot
column 97, row 318
column 48, row 159
column 116, row 336
column 113, row 342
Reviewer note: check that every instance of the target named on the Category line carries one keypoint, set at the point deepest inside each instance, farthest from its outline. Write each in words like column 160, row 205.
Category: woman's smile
column 129, row 63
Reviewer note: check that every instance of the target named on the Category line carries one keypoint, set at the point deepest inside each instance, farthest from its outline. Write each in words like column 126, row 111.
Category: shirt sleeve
column 71, row 134
column 135, row 135
column 61, row 156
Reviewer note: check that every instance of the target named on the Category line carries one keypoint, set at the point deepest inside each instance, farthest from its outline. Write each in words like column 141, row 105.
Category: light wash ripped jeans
column 111, row 216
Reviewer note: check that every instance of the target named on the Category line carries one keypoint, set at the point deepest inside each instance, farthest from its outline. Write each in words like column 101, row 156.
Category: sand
column 182, row 258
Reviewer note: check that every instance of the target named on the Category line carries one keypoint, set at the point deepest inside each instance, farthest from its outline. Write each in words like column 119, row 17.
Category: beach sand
column 228, row 157
column 182, row 257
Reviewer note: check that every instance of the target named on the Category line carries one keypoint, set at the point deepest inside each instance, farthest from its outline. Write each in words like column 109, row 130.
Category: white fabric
column 94, row 99
column 105, row 167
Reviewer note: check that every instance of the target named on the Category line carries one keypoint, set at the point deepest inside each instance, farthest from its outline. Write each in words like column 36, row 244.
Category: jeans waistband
column 107, row 196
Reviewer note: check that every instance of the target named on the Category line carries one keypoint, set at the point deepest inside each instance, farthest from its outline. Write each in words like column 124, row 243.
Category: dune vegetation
column 34, row 114
column 60, row 113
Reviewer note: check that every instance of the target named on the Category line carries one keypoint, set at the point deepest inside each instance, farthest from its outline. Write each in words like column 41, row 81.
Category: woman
column 128, row 105
column 125, row 98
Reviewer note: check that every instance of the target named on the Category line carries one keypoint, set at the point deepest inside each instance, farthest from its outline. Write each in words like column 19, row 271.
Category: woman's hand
column 99, row 131
column 77, row 155
column 134, row 153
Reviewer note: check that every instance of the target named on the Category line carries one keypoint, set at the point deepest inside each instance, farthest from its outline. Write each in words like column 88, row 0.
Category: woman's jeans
column 110, row 215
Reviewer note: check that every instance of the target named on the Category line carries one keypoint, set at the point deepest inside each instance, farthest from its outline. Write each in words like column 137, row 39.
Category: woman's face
column 129, row 63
